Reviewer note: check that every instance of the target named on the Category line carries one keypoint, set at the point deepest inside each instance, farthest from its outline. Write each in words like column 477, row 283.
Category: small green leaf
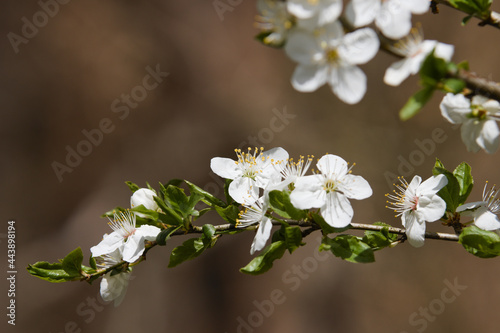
column 177, row 200
column 229, row 199
column 451, row 192
column 164, row 235
column 72, row 263
column 415, row 103
column 433, row 70
column 193, row 247
column 264, row 261
column 132, row 186
column 51, row 272
column 92, row 263
column 453, row 85
column 481, row 243
column 229, row 213
column 281, row 204
column 293, row 238
column 464, row 177
column 379, row 239
column 348, row 247
column 208, row 198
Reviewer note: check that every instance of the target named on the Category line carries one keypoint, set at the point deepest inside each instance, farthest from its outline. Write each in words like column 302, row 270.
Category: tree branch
column 491, row 18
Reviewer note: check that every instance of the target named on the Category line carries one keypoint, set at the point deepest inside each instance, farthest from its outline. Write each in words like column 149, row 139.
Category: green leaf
column 72, row 263
column 264, row 261
column 164, row 235
column 325, row 227
column 416, row 102
column 51, row 272
column 451, row 192
column 454, row 85
column 229, row 199
column 177, row 200
column 481, row 243
column 229, row 213
column 379, row 239
column 281, row 204
column 465, row 181
column 193, row 247
column 169, row 217
column 433, row 70
column 92, row 263
column 348, row 247
column 208, row 198
column 293, row 238
column 132, row 186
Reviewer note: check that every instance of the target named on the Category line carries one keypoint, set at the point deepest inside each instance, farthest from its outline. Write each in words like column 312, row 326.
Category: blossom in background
column 113, row 286
column 256, row 214
column 145, row 197
column 414, row 49
column 484, row 212
column 275, row 20
column 478, row 119
column 127, row 235
column 313, row 14
column 252, row 170
column 392, row 17
column 418, row 203
column 330, row 190
column 326, row 55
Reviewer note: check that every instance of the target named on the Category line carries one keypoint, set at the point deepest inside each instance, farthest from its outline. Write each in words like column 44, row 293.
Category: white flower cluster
column 478, row 118
column 125, row 243
column 314, row 37
column 258, row 172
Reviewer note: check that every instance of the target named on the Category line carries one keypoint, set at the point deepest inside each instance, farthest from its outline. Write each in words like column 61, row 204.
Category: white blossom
column 274, row 19
column 144, row 196
column 252, row 170
column 127, row 235
column 315, row 13
column 418, row 203
column 478, row 118
column 330, row 190
column 485, row 213
column 392, row 17
column 256, row 214
column 326, row 55
column 113, row 286
column 414, row 50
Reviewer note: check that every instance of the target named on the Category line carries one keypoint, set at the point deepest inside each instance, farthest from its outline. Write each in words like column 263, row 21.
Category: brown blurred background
column 222, row 87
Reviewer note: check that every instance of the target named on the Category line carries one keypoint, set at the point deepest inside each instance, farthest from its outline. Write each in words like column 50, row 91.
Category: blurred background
column 216, row 89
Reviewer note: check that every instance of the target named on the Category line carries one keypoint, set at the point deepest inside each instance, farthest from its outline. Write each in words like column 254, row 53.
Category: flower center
column 479, row 112
column 332, row 56
column 329, row 185
column 248, row 162
column 414, row 203
column 123, row 223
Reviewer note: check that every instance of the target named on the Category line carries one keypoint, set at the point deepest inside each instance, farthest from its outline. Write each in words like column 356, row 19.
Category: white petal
column 308, row 192
column 144, row 196
column 225, row 167
column 393, row 21
column 471, row 129
column 243, row 190
column 309, row 78
column 417, row 6
column 479, row 100
column 359, row 47
column 337, row 210
column 108, row 244
column 302, row 47
column 444, row 51
column 486, row 220
column 332, row 164
column 432, row 185
column 355, row 187
column 431, row 209
column 470, row 206
column 488, row 138
column 149, row 232
column 133, row 249
column 415, row 230
column 329, row 12
column 362, row 12
column 397, row 72
column 455, row 108
column 348, row 83
column 301, row 9
column 262, row 235
column 492, row 106
column 114, row 287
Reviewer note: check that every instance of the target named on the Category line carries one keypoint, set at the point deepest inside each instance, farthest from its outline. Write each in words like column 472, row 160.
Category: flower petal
column 262, row 235
column 114, row 287
column 225, row 167
column 309, row 78
column 337, row 210
column 362, row 12
column 393, row 21
column 332, row 164
column 134, row 247
column 432, row 185
column 149, row 232
column 455, row 108
column 355, row 187
column 431, row 209
column 145, row 197
column 348, row 83
column 303, row 48
column 308, row 192
column 359, row 47
column 397, row 72
column 417, row 6
column 488, row 138
column 108, row 244
column 486, row 220
column 415, row 229
column 470, row 132
column 244, row 190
